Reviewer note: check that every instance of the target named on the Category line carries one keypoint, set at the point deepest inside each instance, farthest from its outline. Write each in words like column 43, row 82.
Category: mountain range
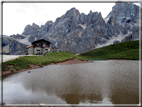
column 77, row 32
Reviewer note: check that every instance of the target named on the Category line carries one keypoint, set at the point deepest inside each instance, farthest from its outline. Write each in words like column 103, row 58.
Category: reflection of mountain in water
column 70, row 85
column 106, row 82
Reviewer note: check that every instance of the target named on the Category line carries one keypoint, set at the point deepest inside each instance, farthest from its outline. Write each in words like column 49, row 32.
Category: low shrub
column 16, row 68
column 7, row 68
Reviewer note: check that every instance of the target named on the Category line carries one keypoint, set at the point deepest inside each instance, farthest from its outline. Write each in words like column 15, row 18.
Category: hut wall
column 30, row 51
column 37, row 49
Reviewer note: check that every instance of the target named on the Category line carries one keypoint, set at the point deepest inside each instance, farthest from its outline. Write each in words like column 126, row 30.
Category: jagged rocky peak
column 30, row 29
column 72, row 12
column 17, row 36
column 124, row 12
column 94, row 17
column 124, row 19
column 49, row 22
column 44, row 29
column 27, row 30
column 89, row 19
column 35, row 26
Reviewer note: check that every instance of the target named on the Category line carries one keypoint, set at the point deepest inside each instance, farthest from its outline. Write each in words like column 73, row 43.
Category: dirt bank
column 69, row 61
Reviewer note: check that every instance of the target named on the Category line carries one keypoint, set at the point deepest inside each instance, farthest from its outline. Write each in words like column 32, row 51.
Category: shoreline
column 68, row 61
column 65, row 62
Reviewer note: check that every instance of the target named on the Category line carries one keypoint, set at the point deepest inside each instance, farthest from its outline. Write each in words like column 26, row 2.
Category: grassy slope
column 124, row 50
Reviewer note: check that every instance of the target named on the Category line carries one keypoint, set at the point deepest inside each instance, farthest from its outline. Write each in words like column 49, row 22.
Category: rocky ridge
column 11, row 46
column 78, row 32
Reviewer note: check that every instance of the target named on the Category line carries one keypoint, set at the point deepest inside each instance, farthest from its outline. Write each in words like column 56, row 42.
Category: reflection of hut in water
column 39, row 46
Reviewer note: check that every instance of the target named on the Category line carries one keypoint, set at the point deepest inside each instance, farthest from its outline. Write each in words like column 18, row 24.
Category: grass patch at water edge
column 24, row 61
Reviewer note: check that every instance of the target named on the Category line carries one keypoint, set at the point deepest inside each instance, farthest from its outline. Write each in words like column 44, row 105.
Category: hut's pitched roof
column 40, row 40
column 30, row 46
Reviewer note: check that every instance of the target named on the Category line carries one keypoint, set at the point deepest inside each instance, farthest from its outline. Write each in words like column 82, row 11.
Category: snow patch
column 56, row 44
column 25, row 40
column 111, row 40
column 106, row 19
column 83, row 26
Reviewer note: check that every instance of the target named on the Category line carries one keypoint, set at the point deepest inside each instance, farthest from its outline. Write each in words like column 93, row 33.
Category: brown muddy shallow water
column 98, row 82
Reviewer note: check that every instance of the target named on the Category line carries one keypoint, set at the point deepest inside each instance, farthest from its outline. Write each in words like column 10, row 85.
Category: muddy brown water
column 98, row 82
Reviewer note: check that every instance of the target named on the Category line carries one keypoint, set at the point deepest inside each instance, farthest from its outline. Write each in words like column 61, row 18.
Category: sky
column 17, row 15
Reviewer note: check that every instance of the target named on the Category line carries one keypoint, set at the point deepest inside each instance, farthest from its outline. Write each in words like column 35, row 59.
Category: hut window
column 37, row 44
column 37, row 50
column 44, row 45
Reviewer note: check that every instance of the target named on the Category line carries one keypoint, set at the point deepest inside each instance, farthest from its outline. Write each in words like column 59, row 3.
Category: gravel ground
column 10, row 57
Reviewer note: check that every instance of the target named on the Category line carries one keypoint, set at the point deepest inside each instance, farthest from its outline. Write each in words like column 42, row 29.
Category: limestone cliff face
column 6, row 49
column 78, row 32
column 12, row 47
column 125, row 19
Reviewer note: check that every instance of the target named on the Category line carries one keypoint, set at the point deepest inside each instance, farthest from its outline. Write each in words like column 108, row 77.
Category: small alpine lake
column 98, row 82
